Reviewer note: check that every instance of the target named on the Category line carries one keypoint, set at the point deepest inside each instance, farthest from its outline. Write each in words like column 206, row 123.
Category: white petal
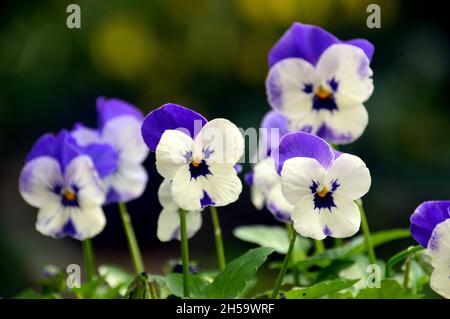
column 187, row 192
column 223, row 185
column 349, row 67
column 124, row 133
column 307, row 219
column 88, row 222
column 439, row 244
column 257, row 198
column 349, row 120
column 85, row 135
column 51, row 219
column 164, row 194
column 265, row 176
column 80, row 172
column 128, row 182
column 169, row 223
column 297, row 176
column 171, row 152
column 351, row 174
column 38, row 180
column 440, row 280
column 343, row 220
column 278, row 205
column 285, row 85
column 219, row 141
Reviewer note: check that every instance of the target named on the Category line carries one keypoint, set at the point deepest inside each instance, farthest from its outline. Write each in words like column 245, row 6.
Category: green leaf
column 116, row 277
column 401, row 256
column 354, row 247
column 321, row 289
column 275, row 237
column 175, row 284
column 237, row 274
column 332, row 270
column 389, row 289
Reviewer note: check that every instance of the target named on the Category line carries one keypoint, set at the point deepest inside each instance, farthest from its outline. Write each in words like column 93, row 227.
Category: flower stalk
column 184, row 253
column 366, row 232
column 89, row 260
column 218, row 237
column 284, row 266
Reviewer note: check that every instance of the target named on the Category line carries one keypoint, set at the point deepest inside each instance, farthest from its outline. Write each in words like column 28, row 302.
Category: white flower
column 201, row 169
column 439, row 251
column 322, row 185
column 325, row 99
column 169, row 218
column 69, row 199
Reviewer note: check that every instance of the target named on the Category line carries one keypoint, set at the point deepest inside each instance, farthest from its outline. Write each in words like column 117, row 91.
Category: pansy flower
column 439, row 251
column 322, row 185
column 63, row 183
column 320, row 83
column 120, row 127
column 264, row 181
column 196, row 155
column 430, row 227
column 169, row 218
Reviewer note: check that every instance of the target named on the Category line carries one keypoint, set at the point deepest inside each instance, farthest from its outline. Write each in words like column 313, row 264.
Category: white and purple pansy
column 196, row 155
column 430, row 227
column 320, row 83
column 322, row 184
column 169, row 218
column 63, row 183
column 120, row 127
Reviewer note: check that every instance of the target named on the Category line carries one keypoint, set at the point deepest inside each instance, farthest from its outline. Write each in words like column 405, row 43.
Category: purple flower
column 320, row 83
column 425, row 219
column 321, row 187
column 197, row 156
column 63, row 183
column 120, row 128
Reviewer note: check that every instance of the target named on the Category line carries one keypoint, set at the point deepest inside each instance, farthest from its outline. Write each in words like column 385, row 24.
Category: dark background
column 209, row 55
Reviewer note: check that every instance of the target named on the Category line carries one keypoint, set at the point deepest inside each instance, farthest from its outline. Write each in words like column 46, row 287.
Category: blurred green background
column 210, row 55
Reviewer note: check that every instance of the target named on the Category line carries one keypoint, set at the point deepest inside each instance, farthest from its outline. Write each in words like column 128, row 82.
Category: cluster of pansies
column 316, row 86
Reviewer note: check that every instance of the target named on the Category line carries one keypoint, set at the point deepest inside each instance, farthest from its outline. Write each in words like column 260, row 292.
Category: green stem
column 88, row 252
column 284, row 267
column 366, row 232
column 319, row 247
column 406, row 274
column 218, row 236
column 133, row 246
column 290, row 231
column 184, row 253
column 394, row 260
column 131, row 239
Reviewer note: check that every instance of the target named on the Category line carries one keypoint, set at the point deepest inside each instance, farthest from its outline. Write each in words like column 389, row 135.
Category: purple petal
column 46, row 145
column 300, row 144
column 170, row 117
column 308, row 42
column 269, row 138
column 109, row 108
column 248, row 178
column 333, row 136
column 68, row 148
column 426, row 217
column 238, row 168
column 104, row 156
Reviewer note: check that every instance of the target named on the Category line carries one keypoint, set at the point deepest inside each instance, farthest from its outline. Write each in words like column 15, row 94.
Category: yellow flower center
column 322, row 93
column 323, row 192
column 69, row 195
